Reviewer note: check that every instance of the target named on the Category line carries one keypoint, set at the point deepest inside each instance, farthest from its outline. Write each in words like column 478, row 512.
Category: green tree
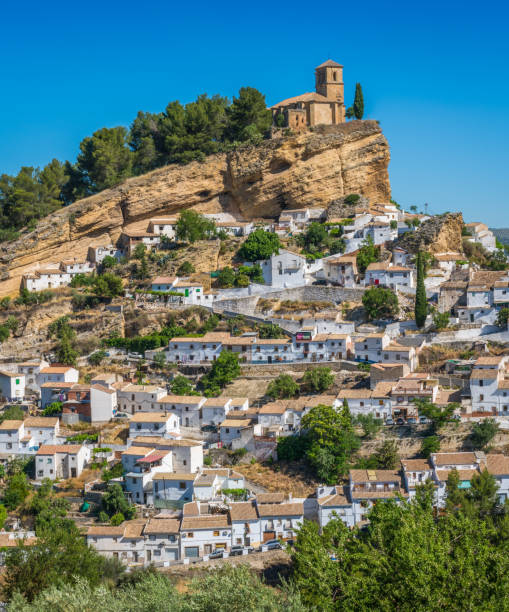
column 108, row 285
column 140, row 250
column 440, row 320
column 437, row 415
column 52, row 409
column 191, row 226
column 270, row 331
column 224, row 370
column 185, row 268
column 159, row 360
column 430, row 444
column 282, row 387
column 16, row 491
column 108, row 262
column 358, row 103
column 248, row 117
column 117, row 519
column 259, row 245
column 114, row 501
column 370, row 425
column 180, row 385
column 12, row 413
column 60, row 556
column 380, row 303
column 387, row 455
column 97, row 358
column 332, row 441
column 421, row 304
column 318, row 380
column 368, row 253
column 503, row 317
column 66, row 354
column 483, row 433
column 105, row 159
column 3, row 515
column 226, row 278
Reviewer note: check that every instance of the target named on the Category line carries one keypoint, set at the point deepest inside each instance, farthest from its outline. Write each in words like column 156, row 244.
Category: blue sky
column 435, row 75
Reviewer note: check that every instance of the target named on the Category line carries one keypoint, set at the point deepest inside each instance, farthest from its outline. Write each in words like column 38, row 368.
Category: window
column 481, row 383
column 216, row 534
column 481, row 398
column 182, row 485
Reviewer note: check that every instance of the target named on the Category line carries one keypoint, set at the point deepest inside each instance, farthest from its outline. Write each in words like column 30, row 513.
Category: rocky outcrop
column 307, row 170
column 441, row 234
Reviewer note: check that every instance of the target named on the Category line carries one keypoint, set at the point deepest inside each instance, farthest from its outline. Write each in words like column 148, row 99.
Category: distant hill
column 502, row 233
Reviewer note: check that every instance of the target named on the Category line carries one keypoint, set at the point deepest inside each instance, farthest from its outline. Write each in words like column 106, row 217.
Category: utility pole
column 426, row 207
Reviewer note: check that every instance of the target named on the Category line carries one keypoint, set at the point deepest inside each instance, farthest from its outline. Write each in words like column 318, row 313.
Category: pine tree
column 421, row 306
column 358, row 103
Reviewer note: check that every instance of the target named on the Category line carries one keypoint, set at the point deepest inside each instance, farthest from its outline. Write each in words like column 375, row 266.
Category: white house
column 341, row 270
column 285, row 269
column 97, row 254
column 125, row 542
column 52, row 374
column 55, row 392
column 103, row 403
column 153, row 424
column 60, row 461
column 187, row 454
column 163, row 226
column 31, row 370
column 12, row 385
column 141, row 465
column 388, row 275
column 162, row 540
column 172, row 489
column 186, row 408
column 333, row 503
column 395, row 353
column 133, row 398
column 280, row 520
column 201, row 535
column 214, row 410
column 368, row 487
column 369, row 348
column 245, row 524
column 230, row 429
column 42, row 430
column 164, row 283
column 482, row 235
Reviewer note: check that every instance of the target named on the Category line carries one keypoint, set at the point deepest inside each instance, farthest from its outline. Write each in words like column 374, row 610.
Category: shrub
column 97, row 357
column 103, row 517
column 282, row 387
column 117, row 519
column 186, row 267
column 318, row 379
column 429, row 445
column 380, row 303
column 259, row 245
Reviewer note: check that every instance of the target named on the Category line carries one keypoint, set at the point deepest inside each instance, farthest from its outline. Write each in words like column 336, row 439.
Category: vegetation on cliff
column 179, row 134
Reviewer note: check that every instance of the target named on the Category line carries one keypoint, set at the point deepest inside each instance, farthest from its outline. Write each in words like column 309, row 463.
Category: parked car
column 272, row 544
column 412, row 421
column 400, row 421
column 389, row 421
column 121, row 415
column 423, row 420
column 135, row 355
column 239, row 550
column 218, row 553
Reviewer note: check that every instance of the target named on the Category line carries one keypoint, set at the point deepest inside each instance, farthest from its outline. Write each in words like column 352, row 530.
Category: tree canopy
column 380, row 303
column 260, row 244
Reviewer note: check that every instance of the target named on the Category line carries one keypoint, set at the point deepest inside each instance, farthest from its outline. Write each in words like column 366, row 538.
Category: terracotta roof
column 325, row 337
column 103, row 389
column 236, row 423
column 454, row 458
column 217, row 401
column 164, row 280
column 378, row 494
column 416, row 465
column 243, row 511
column 273, row 408
column 443, row 475
column 207, row 521
column 382, row 389
column 270, row 498
column 134, row 529
column 187, row 476
column 105, row 530
column 41, row 421
column 183, row 283
column 497, row 465
column 191, row 509
column 11, row 424
column 354, row 394
column 330, row 63
column 57, row 385
column 306, row 97
column 150, row 417
column 10, row 374
column 336, row 499
column 449, row 257
column 285, row 509
column 374, row 476
column 8, row 540
column 141, row 451
column 181, row 399
column 272, row 340
column 52, row 449
column 483, row 374
column 56, row 369
column 161, row 525
column 489, row 360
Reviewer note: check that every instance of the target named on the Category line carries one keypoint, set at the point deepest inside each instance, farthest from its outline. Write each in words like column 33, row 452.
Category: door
column 149, row 555
column 269, row 359
column 73, row 472
column 207, row 549
column 269, row 535
column 187, row 421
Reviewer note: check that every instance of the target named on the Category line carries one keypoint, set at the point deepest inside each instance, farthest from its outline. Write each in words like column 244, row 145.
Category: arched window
column 335, row 76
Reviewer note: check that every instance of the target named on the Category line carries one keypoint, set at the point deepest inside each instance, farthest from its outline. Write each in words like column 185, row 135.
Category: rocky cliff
column 440, row 234
column 308, row 170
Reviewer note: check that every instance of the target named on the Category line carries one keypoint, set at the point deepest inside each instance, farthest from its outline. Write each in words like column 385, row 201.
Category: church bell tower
column 329, row 81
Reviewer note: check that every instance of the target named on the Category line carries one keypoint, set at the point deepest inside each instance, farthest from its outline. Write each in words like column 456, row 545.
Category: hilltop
column 307, row 170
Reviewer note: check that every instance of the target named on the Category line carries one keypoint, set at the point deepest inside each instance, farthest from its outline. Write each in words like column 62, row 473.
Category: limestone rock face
column 436, row 235
column 308, row 170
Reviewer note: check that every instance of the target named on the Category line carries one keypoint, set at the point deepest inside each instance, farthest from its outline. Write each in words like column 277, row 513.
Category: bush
column 317, row 380
column 441, row 320
column 207, row 460
column 117, row 519
column 97, row 358
column 282, row 387
column 483, row 433
column 380, row 303
column 259, row 245
column 352, row 198
column 429, row 445
column 191, row 226
column 103, row 517
column 186, row 267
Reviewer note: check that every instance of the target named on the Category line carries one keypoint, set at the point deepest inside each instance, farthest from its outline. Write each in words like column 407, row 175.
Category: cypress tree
column 421, row 306
column 358, row 103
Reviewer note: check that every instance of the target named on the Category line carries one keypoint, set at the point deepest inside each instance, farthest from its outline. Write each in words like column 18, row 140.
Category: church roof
column 330, row 63
column 306, row 97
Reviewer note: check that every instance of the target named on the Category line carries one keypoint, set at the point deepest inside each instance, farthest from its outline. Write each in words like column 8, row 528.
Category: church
column 324, row 106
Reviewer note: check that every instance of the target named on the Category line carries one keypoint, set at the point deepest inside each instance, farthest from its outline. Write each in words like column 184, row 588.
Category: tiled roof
column 41, row 421
column 285, row 509
column 208, row 521
column 273, row 408
column 336, row 499
column 161, row 525
column 330, row 63
column 416, row 465
column 497, row 465
column 11, row 424
column 181, row 399
column 454, row 458
column 243, row 511
column 56, row 370
column 52, row 449
column 270, row 498
column 306, row 97
column 164, row 280
column 374, row 475
column 150, row 417
column 483, row 374
column 443, row 475
column 184, row 476
column 236, row 423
